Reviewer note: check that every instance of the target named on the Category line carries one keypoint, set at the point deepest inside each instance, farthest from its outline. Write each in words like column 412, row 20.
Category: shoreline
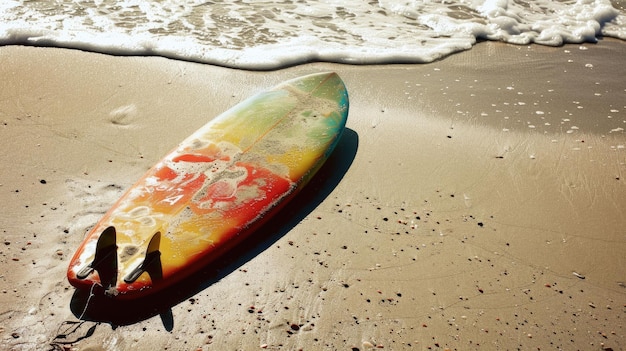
column 483, row 205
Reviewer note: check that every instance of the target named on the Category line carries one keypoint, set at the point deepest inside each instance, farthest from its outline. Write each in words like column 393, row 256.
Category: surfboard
column 214, row 190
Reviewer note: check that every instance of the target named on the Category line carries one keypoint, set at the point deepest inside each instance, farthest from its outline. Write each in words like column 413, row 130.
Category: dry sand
column 477, row 202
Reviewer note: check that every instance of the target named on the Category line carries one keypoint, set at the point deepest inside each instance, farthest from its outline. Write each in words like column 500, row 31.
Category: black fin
column 151, row 263
column 105, row 260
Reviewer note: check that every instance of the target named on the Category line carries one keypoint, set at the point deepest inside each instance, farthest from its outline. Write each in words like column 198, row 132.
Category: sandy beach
column 474, row 203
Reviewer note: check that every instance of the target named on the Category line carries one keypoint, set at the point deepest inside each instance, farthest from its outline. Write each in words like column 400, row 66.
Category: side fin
column 151, row 263
column 105, row 259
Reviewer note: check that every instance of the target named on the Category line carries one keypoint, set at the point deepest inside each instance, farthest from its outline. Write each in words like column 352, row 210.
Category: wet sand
column 473, row 203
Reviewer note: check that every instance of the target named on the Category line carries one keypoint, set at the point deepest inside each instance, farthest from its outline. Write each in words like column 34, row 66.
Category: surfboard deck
column 213, row 190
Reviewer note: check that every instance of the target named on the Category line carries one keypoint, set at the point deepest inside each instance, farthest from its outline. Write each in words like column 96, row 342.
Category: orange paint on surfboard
column 214, row 189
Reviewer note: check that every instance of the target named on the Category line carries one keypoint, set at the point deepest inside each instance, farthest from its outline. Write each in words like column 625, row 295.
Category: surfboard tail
column 103, row 270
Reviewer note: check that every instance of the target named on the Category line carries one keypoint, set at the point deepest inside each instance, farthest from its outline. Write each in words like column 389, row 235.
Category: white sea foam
column 271, row 34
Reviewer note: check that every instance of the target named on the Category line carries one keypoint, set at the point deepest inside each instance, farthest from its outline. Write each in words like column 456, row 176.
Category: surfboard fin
column 106, row 255
column 151, row 263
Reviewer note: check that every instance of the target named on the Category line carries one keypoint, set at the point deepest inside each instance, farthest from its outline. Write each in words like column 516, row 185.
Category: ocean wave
column 275, row 34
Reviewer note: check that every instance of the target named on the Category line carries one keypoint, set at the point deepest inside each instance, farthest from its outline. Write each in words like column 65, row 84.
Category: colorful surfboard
column 214, row 190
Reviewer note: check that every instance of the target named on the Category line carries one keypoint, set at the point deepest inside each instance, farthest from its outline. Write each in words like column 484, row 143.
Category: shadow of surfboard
column 118, row 312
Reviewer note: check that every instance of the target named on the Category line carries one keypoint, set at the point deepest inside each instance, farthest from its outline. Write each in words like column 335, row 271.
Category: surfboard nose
column 325, row 85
